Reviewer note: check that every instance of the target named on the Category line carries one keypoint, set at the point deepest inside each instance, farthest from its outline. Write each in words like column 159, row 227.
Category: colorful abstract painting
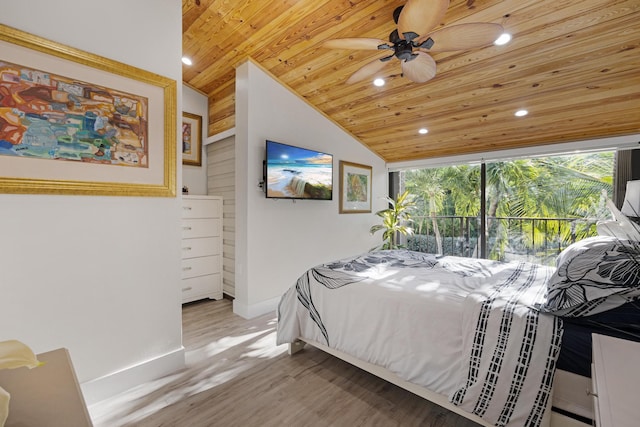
column 47, row 116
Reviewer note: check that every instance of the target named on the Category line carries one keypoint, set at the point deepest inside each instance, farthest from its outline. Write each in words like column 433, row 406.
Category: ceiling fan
column 413, row 38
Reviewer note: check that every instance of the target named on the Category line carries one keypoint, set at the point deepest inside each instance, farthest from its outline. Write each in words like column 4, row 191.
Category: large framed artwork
column 355, row 188
column 191, row 139
column 72, row 122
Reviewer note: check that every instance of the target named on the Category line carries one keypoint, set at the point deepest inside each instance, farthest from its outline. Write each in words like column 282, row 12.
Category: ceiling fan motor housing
column 403, row 50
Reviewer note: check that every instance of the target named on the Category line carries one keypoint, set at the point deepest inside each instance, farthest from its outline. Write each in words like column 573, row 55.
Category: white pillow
column 594, row 275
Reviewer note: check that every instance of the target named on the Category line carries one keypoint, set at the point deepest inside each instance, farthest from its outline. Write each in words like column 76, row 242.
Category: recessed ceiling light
column 503, row 39
column 423, row 131
column 378, row 82
column 186, row 61
column 521, row 113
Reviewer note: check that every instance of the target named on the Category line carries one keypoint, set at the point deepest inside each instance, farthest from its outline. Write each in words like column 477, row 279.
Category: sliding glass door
column 528, row 209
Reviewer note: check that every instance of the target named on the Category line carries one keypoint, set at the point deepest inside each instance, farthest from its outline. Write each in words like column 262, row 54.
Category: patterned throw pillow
column 594, row 275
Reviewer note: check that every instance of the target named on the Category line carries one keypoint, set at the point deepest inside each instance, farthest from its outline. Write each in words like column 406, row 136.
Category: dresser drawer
column 201, row 208
column 202, row 246
column 201, row 266
column 209, row 286
column 200, row 228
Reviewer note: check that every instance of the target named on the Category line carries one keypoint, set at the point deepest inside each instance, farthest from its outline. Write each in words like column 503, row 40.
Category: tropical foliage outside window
column 534, row 207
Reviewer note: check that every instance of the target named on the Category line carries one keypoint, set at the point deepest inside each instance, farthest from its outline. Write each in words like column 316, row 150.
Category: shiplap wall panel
column 221, row 182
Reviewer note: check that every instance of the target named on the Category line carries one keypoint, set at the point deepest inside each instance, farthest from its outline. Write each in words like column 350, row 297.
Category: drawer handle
column 187, row 248
column 188, row 288
column 186, row 268
column 186, row 228
column 590, row 393
column 186, row 208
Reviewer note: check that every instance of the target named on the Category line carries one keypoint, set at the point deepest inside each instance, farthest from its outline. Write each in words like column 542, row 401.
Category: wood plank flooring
column 237, row 376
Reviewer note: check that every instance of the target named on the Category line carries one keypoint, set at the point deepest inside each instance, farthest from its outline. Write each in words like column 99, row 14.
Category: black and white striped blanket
column 510, row 350
column 464, row 328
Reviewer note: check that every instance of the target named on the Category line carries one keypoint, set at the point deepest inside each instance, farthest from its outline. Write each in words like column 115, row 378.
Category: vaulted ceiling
column 573, row 64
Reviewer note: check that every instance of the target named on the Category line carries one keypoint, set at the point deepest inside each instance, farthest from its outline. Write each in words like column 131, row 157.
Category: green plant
column 395, row 220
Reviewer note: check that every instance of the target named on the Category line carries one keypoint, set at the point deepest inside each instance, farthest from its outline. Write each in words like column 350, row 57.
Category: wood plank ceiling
column 573, row 64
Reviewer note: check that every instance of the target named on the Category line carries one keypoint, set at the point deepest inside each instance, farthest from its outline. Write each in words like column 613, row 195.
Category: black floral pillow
column 594, row 275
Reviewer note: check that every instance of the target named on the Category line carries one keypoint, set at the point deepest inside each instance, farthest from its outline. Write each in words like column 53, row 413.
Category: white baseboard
column 249, row 311
column 109, row 385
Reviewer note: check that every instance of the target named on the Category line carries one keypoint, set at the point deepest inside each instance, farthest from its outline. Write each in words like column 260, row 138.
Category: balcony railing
column 537, row 240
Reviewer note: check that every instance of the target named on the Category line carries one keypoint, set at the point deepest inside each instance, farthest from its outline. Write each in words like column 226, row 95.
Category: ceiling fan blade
column 463, row 36
column 420, row 69
column 421, row 16
column 355, row 44
column 367, row 70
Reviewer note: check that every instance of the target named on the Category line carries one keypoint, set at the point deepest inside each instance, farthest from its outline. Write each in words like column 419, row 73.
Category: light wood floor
column 236, row 376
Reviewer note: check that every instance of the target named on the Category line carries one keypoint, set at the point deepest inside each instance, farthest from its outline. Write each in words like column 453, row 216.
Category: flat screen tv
column 297, row 173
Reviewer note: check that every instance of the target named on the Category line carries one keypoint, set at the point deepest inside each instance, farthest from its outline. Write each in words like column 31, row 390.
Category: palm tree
column 508, row 194
column 430, row 186
column 584, row 178
column 463, row 184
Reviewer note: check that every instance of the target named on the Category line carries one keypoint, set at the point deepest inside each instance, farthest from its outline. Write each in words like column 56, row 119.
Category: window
column 528, row 209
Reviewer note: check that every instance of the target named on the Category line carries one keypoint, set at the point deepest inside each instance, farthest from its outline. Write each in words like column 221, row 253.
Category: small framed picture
column 191, row 139
column 355, row 188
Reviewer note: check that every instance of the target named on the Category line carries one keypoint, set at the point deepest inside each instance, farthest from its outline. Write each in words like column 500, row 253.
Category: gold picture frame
column 191, row 139
column 355, row 188
column 126, row 147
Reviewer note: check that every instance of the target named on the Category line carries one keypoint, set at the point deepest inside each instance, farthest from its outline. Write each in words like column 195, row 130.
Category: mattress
column 575, row 353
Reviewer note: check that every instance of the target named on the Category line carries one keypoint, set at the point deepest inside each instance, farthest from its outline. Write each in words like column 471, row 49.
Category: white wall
column 195, row 177
column 277, row 240
column 97, row 275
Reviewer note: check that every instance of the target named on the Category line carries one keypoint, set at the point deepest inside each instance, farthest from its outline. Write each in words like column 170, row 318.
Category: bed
column 479, row 337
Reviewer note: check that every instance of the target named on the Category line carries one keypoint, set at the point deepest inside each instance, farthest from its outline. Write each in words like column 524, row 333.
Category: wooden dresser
column 615, row 376
column 201, row 248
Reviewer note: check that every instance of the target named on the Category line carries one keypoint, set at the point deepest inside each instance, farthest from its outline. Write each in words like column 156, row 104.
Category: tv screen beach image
column 298, row 173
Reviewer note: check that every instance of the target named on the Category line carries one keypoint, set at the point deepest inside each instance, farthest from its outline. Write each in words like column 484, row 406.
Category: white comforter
column 460, row 327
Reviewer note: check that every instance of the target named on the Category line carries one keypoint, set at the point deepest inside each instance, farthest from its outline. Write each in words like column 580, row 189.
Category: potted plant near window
column 395, row 220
